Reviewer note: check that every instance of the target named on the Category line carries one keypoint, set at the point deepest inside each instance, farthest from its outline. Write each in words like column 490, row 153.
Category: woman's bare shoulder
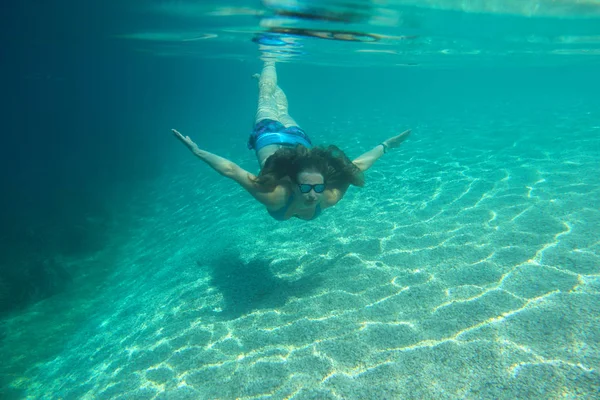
column 279, row 196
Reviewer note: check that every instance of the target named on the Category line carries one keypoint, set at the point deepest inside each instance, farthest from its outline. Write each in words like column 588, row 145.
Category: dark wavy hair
column 331, row 162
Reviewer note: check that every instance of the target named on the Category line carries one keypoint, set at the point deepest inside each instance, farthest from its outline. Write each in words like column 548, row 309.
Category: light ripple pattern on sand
column 477, row 262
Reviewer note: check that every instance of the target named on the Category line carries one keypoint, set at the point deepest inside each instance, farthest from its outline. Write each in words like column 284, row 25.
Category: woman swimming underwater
column 295, row 179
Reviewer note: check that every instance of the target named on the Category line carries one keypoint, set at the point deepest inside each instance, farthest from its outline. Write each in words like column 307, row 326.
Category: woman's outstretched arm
column 366, row 160
column 233, row 171
column 222, row 165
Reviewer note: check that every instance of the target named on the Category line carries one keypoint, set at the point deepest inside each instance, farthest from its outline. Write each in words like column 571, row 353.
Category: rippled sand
column 468, row 267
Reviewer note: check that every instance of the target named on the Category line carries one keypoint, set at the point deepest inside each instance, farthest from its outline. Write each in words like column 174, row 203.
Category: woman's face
column 310, row 186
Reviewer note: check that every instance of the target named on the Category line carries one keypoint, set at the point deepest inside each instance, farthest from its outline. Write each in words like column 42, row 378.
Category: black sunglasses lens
column 304, row 188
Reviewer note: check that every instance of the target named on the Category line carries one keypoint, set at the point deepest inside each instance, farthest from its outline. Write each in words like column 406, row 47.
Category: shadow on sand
column 251, row 286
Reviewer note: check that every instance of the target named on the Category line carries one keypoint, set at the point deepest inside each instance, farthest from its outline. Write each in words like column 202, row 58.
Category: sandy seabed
column 460, row 271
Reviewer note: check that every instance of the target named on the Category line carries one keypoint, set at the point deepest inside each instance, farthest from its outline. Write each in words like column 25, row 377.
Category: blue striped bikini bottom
column 268, row 131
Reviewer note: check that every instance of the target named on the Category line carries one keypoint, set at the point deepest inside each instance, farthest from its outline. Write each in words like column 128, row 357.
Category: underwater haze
column 468, row 267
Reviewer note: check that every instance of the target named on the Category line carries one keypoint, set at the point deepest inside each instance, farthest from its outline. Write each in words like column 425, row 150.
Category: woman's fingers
column 396, row 140
column 185, row 139
column 404, row 134
column 177, row 134
column 180, row 136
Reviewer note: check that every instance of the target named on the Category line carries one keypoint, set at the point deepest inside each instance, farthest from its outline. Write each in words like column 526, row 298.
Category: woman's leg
column 272, row 101
column 273, row 105
column 267, row 84
column 282, row 108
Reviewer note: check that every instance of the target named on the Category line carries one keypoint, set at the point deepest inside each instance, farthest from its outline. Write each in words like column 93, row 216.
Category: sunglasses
column 305, row 187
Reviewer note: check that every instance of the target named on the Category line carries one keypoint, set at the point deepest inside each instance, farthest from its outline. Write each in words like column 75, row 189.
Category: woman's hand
column 395, row 141
column 185, row 140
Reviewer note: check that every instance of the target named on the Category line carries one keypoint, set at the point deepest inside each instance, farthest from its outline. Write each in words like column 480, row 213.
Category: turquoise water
column 467, row 267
